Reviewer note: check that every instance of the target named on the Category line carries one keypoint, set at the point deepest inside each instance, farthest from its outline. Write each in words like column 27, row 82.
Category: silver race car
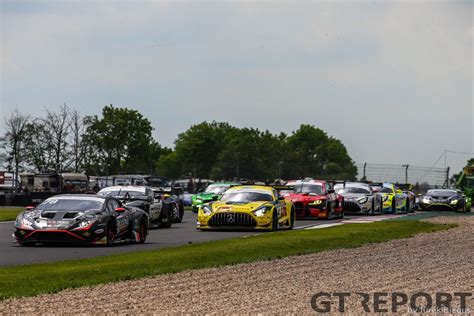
column 359, row 198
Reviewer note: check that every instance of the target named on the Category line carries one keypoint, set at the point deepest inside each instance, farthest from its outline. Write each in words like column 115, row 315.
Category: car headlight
column 454, row 202
column 363, row 200
column 261, row 211
column 32, row 214
column 385, row 198
column 85, row 223
column 206, row 209
column 23, row 222
column 316, row 202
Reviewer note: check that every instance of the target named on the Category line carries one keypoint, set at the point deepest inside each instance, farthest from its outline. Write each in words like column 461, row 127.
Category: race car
column 359, row 198
column 247, row 207
column 81, row 219
column 407, row 188
column 161, row 211
column 213, row 192
column 173, row 196
column 394, row 200
column 315, row 199
column 444, row 200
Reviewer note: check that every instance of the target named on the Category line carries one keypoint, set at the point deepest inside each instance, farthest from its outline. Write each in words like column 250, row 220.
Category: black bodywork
column 81, row 219
column 172, row 195
column 443, row 200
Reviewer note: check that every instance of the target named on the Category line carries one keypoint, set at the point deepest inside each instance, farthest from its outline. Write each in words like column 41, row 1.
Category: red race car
column 315, row 199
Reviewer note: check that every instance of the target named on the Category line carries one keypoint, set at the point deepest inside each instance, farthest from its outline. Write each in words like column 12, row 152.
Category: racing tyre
column 292, row 218
column 372, row 209
column 170, row 219
column 143, row 231
column 407, row 206
column 180, row 213
column 274, row 220
column 394, row 207
column 381, row 205
column 342, row 209
column 329, row 210
column 109, row 235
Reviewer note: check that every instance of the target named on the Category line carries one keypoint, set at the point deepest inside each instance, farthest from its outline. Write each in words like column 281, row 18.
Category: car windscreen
column 122, row 193
column 246, row 197
column 216, row 189
column 71, row 205
column 386, row 190
column 308, row 188
column 442, row 192
column 353, row 190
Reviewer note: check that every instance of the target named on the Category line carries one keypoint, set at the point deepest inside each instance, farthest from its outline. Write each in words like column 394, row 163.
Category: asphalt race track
column 179, row 234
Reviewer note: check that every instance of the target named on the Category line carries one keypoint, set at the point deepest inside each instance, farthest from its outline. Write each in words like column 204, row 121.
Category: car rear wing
column 373, row 184
column 279, row 187
column 334, row 182
column 169, row 190
column 405, row 186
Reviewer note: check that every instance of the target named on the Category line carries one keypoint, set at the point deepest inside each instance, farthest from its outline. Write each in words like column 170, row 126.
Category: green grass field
column 9, row 213
column 29, row 280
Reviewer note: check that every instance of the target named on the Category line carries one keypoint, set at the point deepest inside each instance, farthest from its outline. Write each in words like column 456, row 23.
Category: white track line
column 325, row 225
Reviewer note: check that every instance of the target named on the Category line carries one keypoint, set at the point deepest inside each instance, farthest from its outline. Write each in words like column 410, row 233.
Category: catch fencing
column 401, row 173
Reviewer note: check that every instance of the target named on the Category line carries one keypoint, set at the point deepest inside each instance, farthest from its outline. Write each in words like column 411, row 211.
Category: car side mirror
column 120, row 209
column 331, row 191
column 29, row 208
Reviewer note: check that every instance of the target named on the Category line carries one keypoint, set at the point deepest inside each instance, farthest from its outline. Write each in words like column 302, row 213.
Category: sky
column 392, row 80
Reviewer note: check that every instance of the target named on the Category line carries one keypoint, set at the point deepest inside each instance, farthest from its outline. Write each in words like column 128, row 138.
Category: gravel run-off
column 437, row 262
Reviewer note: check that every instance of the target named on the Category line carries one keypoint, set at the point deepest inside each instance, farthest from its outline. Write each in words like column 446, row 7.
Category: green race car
column 213, row 192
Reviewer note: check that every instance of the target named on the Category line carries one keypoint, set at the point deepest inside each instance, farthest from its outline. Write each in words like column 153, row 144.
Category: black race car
column 173, row 196
column 443, row 200
column 81, row 219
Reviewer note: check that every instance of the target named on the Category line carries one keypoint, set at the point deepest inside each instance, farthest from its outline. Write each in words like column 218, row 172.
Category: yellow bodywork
column 397, row 195
column 258, row 214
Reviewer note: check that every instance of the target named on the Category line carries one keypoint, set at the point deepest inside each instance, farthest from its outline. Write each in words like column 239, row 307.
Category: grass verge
column 30, row 280
column 9, row 213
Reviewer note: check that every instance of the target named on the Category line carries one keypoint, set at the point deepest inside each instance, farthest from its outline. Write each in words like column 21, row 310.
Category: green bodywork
column 465, row 182
column 213, row 192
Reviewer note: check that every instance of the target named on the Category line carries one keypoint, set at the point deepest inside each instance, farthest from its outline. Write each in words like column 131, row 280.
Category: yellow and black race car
column 247, row 207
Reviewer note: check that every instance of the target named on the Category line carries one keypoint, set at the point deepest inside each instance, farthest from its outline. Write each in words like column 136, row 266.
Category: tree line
column 121, row 141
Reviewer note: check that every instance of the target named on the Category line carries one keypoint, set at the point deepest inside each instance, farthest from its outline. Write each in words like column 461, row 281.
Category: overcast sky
column 392, row 80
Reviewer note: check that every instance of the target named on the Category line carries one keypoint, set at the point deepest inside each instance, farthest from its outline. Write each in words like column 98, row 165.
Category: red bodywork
column 330, row 206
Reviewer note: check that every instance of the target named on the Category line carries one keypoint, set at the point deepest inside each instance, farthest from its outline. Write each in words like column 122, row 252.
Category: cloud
column 373, row 74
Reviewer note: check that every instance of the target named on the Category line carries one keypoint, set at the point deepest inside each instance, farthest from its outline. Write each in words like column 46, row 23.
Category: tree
column 78, row 126
column 39, row 154
column 197, row 149
column 250, row 153
column 57, row 129
column 13, row 141
column 311, row 152
column 120, row 141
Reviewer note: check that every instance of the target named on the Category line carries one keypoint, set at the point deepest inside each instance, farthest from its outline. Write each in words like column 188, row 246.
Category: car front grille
column 232, row 219
column 351, row 206
column 50, row 236
column 300, row 208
